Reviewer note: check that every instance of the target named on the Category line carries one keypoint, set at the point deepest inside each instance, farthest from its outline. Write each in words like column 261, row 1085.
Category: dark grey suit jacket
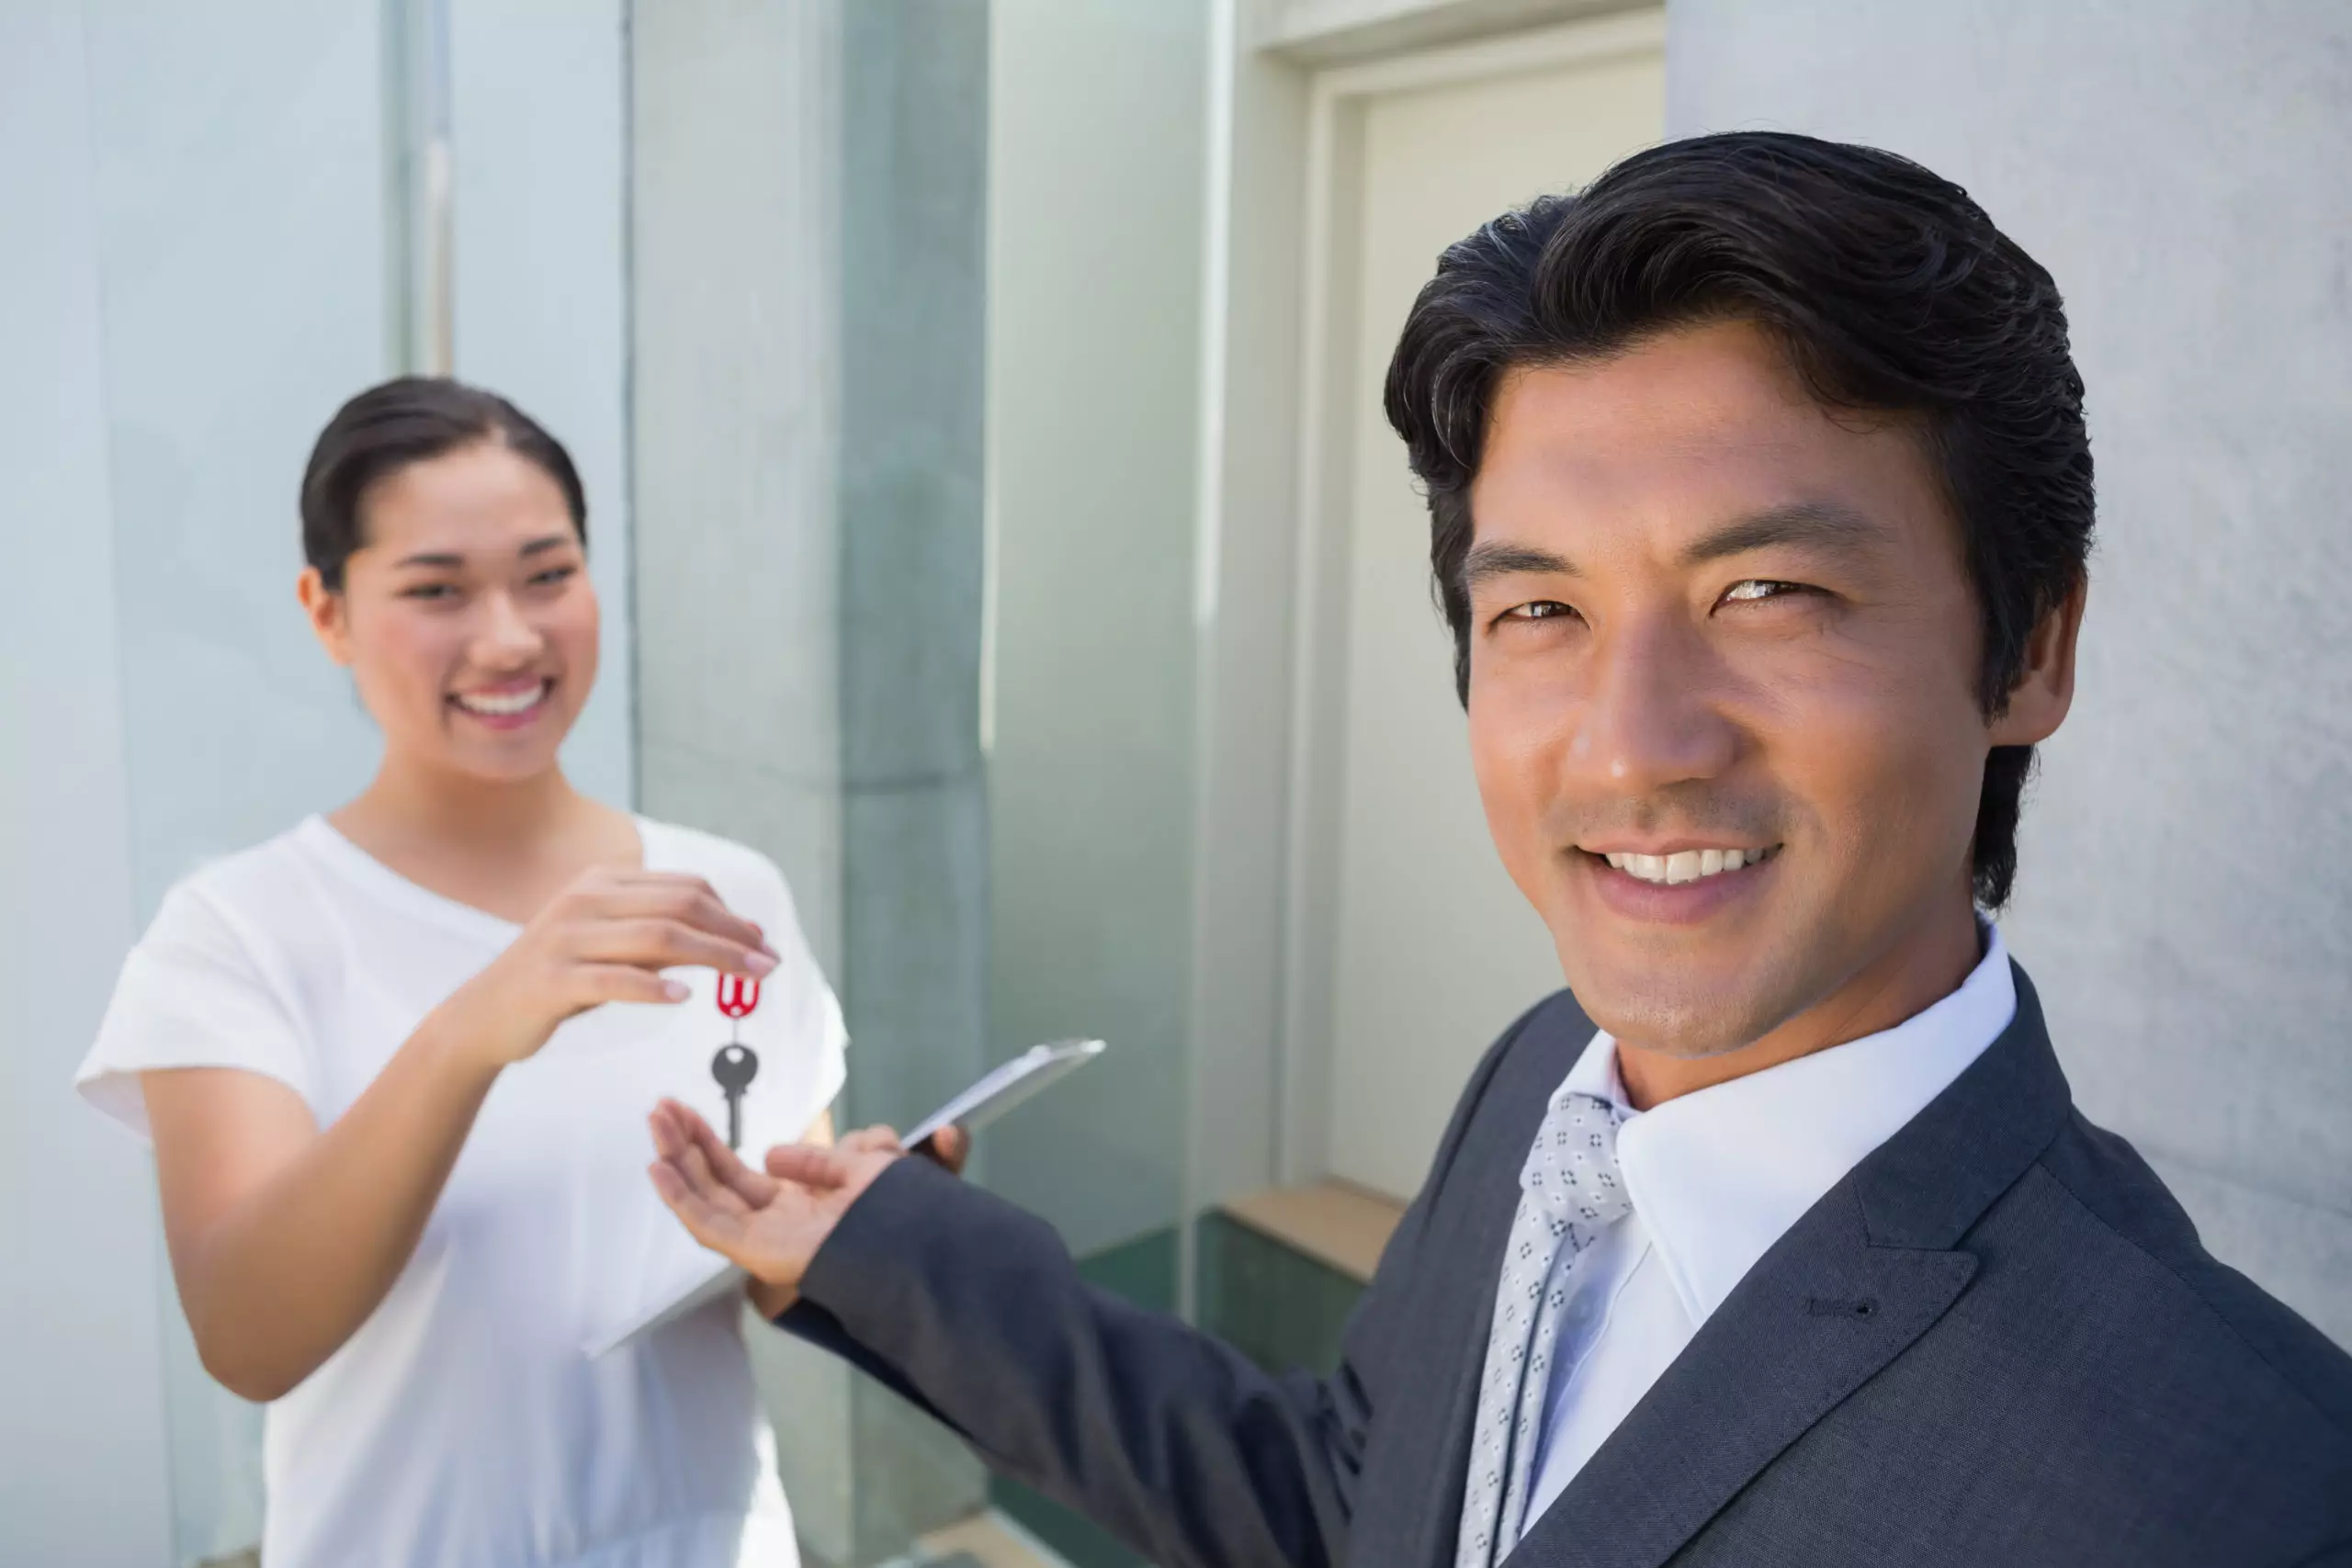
column 1996, row 1342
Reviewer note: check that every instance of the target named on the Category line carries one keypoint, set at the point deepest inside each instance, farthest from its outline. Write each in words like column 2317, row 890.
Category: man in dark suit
column 1760, row 499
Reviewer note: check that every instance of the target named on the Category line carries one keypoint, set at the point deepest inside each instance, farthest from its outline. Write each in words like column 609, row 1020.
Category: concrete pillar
column 809, row 301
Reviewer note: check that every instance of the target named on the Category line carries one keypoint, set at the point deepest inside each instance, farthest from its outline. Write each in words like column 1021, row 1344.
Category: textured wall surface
column 2185, row 902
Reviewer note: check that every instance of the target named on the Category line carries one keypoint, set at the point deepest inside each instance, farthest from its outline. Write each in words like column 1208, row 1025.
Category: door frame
column 1276, row 463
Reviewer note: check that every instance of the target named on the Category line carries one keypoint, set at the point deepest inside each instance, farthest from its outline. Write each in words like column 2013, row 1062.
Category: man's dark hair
column 1890, row 290
column 408, row 420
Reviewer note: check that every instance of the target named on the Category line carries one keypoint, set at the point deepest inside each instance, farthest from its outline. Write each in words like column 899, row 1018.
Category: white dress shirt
column 1716, row 1177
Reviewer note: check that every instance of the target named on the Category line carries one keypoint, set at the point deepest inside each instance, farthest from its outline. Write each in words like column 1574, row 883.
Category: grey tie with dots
column 1569, row 1193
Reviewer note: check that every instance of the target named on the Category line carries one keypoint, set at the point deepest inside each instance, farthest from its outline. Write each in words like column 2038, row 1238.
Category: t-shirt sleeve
column 190, row 996
column 815, row 1022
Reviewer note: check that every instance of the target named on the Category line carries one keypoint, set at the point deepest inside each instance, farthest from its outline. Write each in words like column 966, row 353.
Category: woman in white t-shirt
column 396, row 1062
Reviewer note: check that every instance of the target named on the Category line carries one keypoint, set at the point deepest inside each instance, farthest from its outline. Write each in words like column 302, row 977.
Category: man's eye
column 1762, row 588
column 552, row 576
column 1539, row 609
column 431, row 591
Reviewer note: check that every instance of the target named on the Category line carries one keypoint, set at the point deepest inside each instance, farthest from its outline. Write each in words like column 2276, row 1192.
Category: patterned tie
column 1569, row 1193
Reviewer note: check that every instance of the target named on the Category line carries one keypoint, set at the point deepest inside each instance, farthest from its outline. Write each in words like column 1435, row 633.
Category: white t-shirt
column 463, row 1424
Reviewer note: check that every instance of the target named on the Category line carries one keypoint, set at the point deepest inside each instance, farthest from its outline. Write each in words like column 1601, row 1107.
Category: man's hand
column 770, row 1223
column 950, row 1146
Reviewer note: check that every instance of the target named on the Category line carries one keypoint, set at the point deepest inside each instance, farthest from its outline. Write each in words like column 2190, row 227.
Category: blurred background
column 977, row 403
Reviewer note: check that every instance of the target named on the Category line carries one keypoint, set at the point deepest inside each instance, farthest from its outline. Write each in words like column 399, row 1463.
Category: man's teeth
column 502, row 704
column 1687, row 865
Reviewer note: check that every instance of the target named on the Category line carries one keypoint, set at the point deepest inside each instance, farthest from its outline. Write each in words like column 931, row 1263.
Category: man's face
column 1723, row 707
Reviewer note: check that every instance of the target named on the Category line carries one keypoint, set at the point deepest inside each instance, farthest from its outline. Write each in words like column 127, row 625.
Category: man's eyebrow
column 1828, row 526
column 1496, row 558
column 548, row 542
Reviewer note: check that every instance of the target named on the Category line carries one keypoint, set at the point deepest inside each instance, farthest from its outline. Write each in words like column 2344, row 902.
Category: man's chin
column 1676, row 1009
column 1687, row 1035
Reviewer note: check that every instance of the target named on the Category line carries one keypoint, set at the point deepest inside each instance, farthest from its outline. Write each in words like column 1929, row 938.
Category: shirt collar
column 1717, row 1176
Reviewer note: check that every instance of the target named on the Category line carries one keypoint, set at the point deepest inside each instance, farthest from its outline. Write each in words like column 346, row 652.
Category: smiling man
column 1760, row 499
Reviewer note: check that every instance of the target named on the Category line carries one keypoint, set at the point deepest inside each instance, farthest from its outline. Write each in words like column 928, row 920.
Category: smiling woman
column 392, row 1214
column 458, row 602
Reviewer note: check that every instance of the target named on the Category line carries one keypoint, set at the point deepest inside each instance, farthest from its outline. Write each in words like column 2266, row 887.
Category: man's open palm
column 769, row 1224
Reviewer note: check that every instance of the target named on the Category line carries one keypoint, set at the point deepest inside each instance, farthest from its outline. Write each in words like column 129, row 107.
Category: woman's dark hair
column 1890, row 290
column 409, row 420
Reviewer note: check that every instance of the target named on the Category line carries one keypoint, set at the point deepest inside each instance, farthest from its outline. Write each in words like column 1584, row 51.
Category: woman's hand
column 606, row 938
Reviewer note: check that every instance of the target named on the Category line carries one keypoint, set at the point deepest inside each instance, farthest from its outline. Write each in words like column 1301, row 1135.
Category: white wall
column 82, row 1466
column 193, row 268
column 240, row 245
column 2185, row 892
column 240, row 240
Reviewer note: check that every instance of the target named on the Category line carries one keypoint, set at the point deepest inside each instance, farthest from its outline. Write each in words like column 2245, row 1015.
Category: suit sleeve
column 1167, row 1437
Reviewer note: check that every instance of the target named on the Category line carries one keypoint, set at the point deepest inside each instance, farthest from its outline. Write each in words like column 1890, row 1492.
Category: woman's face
column 466, row 616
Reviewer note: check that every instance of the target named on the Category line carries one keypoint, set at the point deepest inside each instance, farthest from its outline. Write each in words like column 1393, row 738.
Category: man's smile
column 1670, row 867
column 1675, row 885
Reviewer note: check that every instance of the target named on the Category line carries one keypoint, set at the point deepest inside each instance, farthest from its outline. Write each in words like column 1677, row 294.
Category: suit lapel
column 1815, row 1318
column 1865, row 1272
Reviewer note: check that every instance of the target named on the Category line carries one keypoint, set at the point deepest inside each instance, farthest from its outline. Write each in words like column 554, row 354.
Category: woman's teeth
column 1688, row 865
column 501, row 704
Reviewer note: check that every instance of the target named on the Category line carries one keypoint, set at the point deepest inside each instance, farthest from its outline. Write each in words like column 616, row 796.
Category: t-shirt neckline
column 373, row 875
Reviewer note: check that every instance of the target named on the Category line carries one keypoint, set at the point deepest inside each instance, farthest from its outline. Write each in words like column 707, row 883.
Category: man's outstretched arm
column 1167, row 1437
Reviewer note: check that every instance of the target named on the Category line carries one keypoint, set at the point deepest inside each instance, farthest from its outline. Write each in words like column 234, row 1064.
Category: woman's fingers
column 686, row 900
column 659, row 943
column 594, row 985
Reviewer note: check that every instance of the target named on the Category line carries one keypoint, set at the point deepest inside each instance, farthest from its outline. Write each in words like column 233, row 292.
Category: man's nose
column 1649, row 719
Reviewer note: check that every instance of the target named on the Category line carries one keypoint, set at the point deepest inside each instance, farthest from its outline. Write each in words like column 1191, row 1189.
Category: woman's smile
column 505, row 705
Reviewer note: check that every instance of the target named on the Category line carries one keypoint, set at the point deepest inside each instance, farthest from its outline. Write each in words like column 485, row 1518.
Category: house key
column 737, row 1063
column 735, row 1066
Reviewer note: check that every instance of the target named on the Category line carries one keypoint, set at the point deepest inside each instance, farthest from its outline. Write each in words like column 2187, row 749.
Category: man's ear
column 2045, row 687
column 329, row 614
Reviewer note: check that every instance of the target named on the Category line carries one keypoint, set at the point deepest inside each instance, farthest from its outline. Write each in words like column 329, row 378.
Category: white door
column 1432, row 950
